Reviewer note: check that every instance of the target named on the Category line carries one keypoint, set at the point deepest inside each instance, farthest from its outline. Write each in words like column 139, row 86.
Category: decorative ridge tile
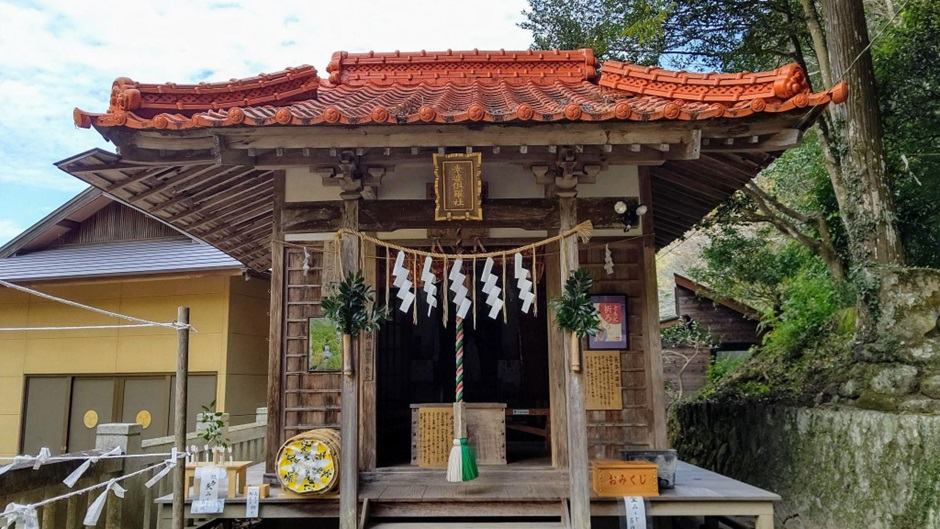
column 783, row 83
column 149, row 99
column 462, row 67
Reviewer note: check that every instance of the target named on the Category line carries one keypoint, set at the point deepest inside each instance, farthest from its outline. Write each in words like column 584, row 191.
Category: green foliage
column 574, row 311
column 907, row 64
column 725, row 35
column 348, row 308
column 749, row 266
column 212, row 432
column 689, row 332
column 720, row 367
column 813, row 307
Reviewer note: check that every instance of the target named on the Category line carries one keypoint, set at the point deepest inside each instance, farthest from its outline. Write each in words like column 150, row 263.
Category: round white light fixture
column 640, row 211
column 620, row 207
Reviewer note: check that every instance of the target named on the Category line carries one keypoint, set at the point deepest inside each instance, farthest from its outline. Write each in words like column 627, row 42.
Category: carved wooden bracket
column 570, row 171
column 354, row 181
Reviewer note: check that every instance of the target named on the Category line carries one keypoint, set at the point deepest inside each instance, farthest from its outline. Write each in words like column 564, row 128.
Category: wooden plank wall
column 611, row 431
column 116, row 222
column 311, row 400
column 728, row 325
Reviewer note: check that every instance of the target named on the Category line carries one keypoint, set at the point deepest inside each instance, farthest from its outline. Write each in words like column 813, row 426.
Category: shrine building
column 543, row 161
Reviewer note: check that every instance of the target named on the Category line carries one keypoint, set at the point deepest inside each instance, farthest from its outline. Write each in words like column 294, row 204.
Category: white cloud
column 59, row 54
column 8, row 230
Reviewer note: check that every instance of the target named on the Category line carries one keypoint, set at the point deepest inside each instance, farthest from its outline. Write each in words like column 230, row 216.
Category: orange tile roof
column 452, row 87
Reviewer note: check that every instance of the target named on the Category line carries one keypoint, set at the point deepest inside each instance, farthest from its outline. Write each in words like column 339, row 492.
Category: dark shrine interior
column 503, row 362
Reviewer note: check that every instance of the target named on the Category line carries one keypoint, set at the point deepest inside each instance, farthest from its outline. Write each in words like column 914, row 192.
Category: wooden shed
column 268, row 169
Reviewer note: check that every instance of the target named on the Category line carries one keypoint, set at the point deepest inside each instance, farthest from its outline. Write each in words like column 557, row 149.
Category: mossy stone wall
column 834, row 468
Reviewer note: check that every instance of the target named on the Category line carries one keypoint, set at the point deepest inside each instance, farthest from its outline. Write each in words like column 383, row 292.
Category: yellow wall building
column 56, row 385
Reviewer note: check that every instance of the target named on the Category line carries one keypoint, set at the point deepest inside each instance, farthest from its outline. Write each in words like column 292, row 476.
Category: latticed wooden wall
column 311, row 400
column 610, row 431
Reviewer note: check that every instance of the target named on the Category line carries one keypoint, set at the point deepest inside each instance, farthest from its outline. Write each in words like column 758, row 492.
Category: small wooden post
column 179, row 440
column 580, row 491
column 349, row 414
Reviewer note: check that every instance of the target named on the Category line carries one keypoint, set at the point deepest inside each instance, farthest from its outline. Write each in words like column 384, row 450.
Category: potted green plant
column 352, row 309
column 211, row 429
column 575, row 313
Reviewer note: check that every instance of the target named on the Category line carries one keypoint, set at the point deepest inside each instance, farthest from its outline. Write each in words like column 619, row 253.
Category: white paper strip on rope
column 94, row 510
column 608, row 260
column 524, row 285
column 78, row 472
column 491, row 290
column 170, row 464
column 404, row 285
column 44, row 455
column 307, row 260
column 16, row 461
column 427, row 275
column 19, row 516
column 457, row 280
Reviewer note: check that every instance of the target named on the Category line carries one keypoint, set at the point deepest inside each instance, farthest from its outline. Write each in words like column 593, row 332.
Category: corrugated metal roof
column 158, row 256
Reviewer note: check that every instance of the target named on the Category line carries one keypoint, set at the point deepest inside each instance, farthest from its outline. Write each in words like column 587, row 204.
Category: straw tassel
column 461, row 465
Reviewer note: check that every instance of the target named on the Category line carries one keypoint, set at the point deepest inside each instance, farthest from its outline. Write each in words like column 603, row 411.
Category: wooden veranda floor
column 519, row 490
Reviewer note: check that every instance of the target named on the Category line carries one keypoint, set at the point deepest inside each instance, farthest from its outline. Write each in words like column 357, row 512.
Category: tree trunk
column 857, row 139
column 856, row 159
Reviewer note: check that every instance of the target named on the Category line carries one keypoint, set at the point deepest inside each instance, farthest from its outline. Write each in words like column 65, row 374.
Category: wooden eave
column 703, row 291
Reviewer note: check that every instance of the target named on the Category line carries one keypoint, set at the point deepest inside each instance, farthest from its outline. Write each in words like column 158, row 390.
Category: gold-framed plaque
column 457, row 187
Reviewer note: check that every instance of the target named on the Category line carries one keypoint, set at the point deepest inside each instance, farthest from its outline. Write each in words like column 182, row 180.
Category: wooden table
column 235, row 471
column 700, row 492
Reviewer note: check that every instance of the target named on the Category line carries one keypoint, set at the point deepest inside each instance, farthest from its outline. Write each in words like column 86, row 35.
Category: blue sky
column 58, row 55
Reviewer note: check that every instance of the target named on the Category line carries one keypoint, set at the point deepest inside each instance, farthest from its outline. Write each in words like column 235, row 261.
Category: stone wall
column 835, row 468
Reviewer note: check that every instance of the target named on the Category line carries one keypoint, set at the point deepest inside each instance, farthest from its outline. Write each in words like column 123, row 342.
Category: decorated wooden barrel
column 308, row 463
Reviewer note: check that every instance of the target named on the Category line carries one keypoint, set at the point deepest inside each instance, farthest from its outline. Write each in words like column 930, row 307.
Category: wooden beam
column 219, row 173
column 580, row 492
column 651, row 341
column 349, row 415
column 219, row 209
column 237, row 176
column 779, row 141
column 386, row 215
column 274, row 432
column 672, row 179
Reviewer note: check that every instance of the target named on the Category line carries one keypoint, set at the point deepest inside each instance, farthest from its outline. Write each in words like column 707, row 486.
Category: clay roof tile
column 450, row 87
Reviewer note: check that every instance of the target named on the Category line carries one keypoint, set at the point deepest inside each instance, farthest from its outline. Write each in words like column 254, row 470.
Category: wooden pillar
column 557, row 366
column 367, row 405
column 653, row 344
column 179, row 416
column 577, row 418
column 272, row 441
column 349, row 416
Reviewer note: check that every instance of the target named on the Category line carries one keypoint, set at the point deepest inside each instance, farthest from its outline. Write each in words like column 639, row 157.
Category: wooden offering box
column 625, row 478
column 432, row 433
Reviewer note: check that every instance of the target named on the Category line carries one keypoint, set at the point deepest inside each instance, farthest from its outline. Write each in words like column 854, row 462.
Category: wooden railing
column 23, row 485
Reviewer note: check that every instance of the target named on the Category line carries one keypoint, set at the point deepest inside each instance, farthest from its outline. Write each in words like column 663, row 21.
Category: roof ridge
column 449, row 66
column 782, row 83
